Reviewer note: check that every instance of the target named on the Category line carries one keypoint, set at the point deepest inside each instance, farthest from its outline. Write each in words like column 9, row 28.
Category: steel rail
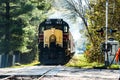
column 8, row 77
column 44, row 74
column 38, row 77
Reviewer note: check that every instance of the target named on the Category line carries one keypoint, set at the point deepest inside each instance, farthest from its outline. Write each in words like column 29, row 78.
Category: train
column 55, row 42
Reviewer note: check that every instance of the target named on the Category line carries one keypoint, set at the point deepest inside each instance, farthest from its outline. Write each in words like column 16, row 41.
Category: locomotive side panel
column 72, row 45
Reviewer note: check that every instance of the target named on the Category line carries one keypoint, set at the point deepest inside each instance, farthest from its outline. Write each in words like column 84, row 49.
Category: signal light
column 112, row 31
column 103, row 47
column 101, row 31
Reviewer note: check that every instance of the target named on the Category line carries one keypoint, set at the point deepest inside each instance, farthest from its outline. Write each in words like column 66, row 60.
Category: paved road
column 63, row 73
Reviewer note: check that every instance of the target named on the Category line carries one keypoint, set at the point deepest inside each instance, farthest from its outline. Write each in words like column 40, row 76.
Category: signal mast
column 106, row 38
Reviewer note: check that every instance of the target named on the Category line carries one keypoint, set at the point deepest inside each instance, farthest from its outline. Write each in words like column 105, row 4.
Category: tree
column 96, row 19
column 12, row 23
column 19, row 20
column 33, row 20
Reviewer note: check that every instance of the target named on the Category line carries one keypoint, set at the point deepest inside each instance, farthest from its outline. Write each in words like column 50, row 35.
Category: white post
column 106, row 53
column 13, row 62
column 0, row 60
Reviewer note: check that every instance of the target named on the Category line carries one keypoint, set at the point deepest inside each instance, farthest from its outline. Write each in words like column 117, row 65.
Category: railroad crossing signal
column 102, row 31
column 103, row 47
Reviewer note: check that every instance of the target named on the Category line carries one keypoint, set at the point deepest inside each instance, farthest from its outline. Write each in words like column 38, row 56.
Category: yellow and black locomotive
column 55, row 42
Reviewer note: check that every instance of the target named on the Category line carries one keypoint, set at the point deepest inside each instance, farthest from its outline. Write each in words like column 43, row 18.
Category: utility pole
column 106, row 52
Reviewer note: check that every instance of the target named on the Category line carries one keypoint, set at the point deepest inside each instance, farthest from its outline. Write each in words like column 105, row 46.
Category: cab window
column 65, row 29
column 41, row 29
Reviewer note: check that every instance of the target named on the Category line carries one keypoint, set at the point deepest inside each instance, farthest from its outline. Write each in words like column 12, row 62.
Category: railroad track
column 44, row 74
column 7, row 77
column 57, row 73
column 28, row 77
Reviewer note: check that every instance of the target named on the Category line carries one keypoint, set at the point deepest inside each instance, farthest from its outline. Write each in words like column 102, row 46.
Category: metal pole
column 106, row 53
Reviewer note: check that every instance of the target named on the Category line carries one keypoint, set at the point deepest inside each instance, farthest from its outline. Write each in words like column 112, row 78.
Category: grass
column 80, row 61
column 114, row 66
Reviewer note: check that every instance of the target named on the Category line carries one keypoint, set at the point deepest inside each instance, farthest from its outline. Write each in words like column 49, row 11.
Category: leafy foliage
column 96, row 19
column 19, row 20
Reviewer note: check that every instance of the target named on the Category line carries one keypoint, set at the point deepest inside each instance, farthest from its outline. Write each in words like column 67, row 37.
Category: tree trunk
column 86, row 25
column 7, row 33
